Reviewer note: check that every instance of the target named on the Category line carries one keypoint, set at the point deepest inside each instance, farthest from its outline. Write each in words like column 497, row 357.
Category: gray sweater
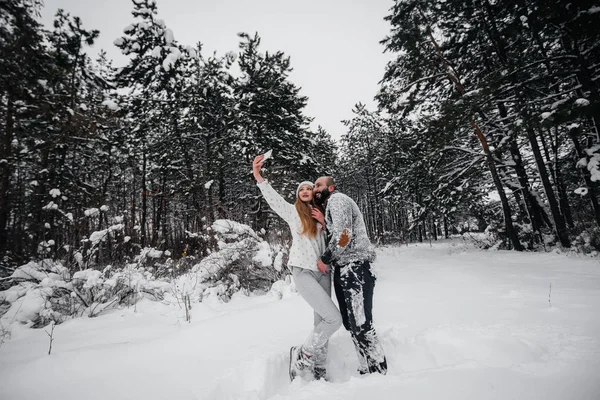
column 342, row 213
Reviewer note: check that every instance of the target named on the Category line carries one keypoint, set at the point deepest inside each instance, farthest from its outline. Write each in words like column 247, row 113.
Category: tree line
column 487, row 119
column 98, row 162
column 488, row 115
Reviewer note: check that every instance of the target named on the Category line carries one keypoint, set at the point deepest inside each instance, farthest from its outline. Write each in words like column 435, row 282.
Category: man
column 352, row 278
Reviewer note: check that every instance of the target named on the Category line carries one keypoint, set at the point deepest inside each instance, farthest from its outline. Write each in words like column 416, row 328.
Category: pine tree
column 324, row 153
column 271, row 118
column 436, row 80
column 211, row 126
column 21, row 44
column 154, row 77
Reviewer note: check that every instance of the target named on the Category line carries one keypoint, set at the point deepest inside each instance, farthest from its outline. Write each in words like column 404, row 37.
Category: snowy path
column 455, row 324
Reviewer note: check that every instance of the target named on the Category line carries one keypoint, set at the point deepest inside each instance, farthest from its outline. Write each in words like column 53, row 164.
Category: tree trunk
column 374, row 201
column 6, row 172
column 552, row 162
column 563, row 200
column 163, row 222
column 209, row 204
column 156, row 213
column 533, row 210
column 515, row 188
column 537, row 213
column 446, row 227
column 510, row 230
column 39, row 226
column 559, row 222
column 133, row 201
column 144, row 201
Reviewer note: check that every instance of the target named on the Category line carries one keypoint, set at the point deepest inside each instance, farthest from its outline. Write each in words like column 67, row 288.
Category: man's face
column 321, row 191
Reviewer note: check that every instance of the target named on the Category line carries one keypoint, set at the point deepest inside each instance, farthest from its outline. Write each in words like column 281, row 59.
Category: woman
column 308, row 243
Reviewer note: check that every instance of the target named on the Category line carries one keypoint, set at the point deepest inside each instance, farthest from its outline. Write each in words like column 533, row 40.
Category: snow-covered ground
column 456, row 323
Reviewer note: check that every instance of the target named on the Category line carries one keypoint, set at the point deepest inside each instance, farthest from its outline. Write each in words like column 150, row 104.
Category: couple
column 348, row 253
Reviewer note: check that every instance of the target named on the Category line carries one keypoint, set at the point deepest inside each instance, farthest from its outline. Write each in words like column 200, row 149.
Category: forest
column 487, row 122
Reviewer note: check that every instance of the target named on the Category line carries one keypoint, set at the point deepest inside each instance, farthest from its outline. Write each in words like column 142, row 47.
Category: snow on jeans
column 315, row 288
column 354, row 284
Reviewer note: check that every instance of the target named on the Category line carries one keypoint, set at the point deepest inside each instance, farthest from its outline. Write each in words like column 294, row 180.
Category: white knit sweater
column 305, row 251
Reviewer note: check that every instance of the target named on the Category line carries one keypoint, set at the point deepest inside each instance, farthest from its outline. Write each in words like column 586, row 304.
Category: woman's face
column 305, row 194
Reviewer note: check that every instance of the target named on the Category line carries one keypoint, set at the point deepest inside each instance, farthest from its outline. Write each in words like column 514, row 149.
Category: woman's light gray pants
column 315, row 288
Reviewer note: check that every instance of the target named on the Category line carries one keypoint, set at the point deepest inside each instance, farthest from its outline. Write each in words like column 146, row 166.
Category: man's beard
column 322, row 196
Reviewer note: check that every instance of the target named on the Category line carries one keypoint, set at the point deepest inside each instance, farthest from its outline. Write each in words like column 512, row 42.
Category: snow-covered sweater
column 305, row 251
column 342, row 213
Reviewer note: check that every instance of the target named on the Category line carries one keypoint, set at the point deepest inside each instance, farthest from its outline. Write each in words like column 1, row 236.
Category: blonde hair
column 309, row 224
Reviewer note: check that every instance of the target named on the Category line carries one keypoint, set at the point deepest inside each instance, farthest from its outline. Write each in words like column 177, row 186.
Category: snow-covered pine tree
column 211, row 126
column 527, row 72
column 423, row 75
column 46, row 125
column 155, row 79
column 526, row 81
column 324, row 153
column 70, row 139
column 23, row 60
column 271, row 116
column 566, row 38
column 360, row 162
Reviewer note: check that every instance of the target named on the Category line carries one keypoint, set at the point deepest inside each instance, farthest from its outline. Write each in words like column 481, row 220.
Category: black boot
column 319, row 373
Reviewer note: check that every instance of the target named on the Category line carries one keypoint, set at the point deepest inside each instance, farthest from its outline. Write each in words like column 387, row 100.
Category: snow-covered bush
column 588, row 241
column 527, row 236
column 98, row 291
column 484, row 240
column 47, row 291
column 283, row 288
column 242, row 262
column 494, row 236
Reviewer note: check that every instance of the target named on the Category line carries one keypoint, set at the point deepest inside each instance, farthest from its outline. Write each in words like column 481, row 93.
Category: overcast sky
column 333, row 44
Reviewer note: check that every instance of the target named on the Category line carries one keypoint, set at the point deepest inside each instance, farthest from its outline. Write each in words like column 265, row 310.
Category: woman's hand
column 318, row 215
column 256, row 166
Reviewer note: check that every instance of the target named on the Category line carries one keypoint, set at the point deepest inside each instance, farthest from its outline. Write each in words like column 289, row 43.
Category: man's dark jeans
column 354, row 284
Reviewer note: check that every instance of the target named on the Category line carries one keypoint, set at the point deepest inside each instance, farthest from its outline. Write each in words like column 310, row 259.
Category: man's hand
column 322, row 266
column 318, row 215
column 344, row 239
